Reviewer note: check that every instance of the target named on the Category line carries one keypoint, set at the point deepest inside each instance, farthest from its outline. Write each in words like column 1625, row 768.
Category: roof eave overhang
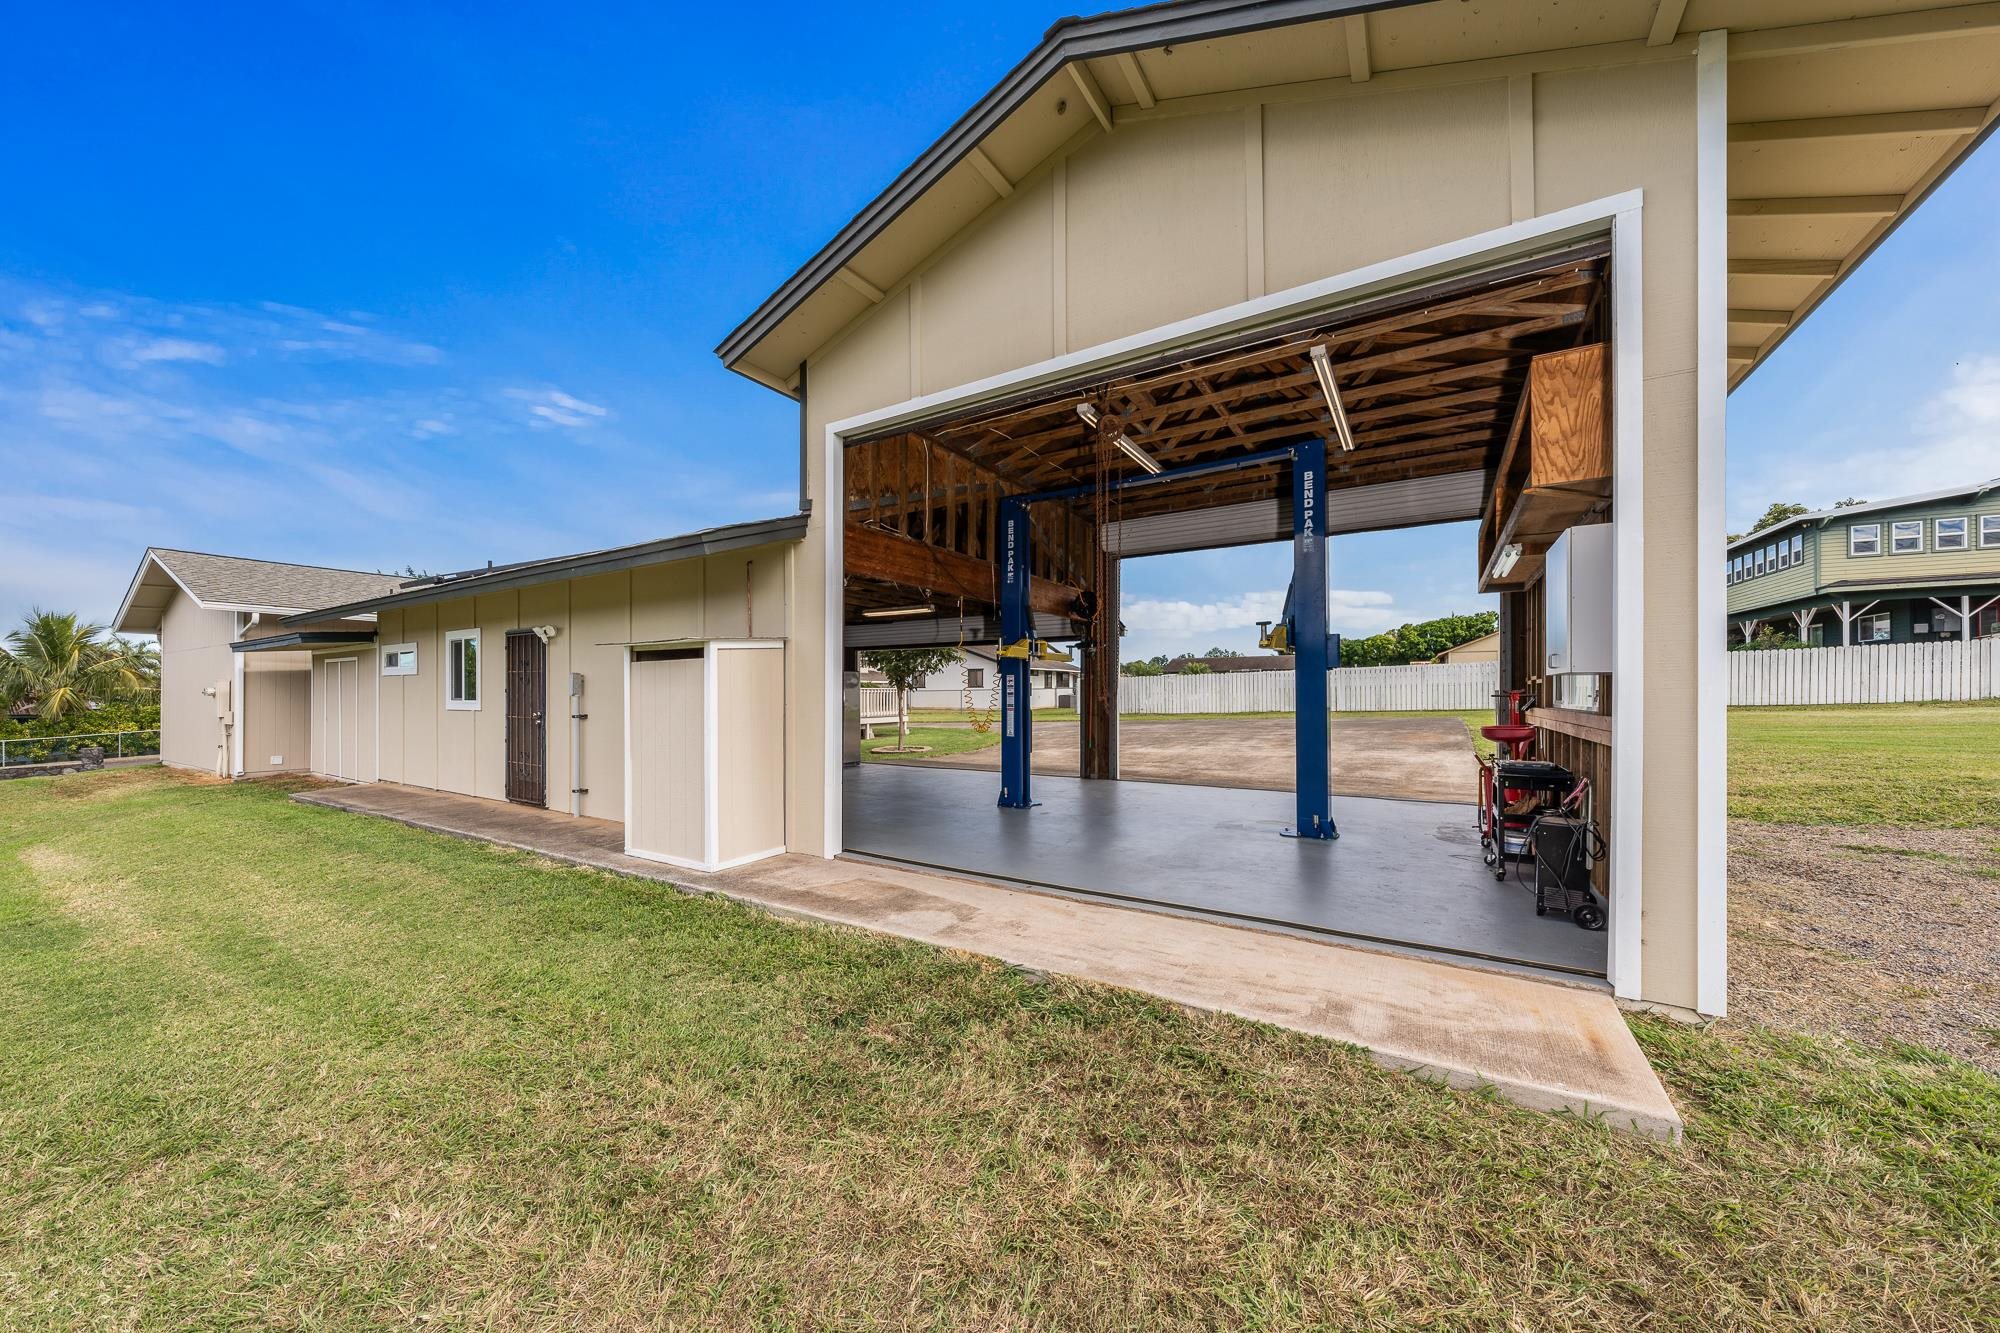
column 302, row 639
column 1067, row 41
column 1866, row 252
column 713, row 541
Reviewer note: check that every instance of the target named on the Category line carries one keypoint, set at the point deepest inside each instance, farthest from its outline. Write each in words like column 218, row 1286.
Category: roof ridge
column 259, row 560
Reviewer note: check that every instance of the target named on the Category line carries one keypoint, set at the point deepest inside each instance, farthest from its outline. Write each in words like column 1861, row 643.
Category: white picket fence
column 1867, row 673
column 1460, row 685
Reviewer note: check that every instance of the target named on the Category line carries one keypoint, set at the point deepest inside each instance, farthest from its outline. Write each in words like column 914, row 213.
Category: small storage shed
column 705, row 752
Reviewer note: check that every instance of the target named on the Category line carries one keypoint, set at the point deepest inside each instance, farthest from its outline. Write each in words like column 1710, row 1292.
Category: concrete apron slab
column 1544, row 1045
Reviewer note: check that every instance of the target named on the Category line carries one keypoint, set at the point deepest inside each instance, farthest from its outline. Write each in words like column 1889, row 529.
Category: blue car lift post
column 1305, row 623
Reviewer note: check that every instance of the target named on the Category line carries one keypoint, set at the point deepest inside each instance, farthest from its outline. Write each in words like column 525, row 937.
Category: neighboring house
column 1229, row 666
column 1208, row 224
column 1915, row 569
column 1051, row 684
column 235, row 713
column 1485, row 648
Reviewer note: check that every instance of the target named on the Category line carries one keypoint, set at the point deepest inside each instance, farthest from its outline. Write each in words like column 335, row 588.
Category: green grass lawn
column 269, row 1064
column 1930, row 765
column 943, row 741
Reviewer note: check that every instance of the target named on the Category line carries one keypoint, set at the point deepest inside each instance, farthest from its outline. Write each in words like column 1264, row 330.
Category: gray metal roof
column 687, row 546
column 1871, row 507
column 1067, row 40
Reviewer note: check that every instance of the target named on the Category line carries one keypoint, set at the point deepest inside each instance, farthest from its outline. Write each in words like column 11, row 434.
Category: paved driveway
column 1413, row 758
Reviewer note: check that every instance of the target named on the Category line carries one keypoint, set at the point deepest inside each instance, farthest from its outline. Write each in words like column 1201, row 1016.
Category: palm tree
column 63, row 666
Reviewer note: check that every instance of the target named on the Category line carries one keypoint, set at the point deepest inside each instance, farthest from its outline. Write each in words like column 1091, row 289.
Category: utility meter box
column 1576, row 602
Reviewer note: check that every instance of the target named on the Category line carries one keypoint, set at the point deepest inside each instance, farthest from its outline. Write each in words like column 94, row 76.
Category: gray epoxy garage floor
column 1403, row 872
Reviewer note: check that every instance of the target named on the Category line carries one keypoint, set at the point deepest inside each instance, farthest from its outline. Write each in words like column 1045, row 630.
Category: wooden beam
column 1093, row 96
column 994, row 176
column 1784, row 268
column 1667, row 15
column 1849, row 34
column 1142, row 91
column 1949, row 121
column 860, row 284
column 1818, row 206
column 871, row 553
column 1359, row 67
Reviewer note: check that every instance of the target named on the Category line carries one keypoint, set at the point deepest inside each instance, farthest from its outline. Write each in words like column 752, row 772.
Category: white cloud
column 1954, row 438
column 178, row 349
column 553, row 407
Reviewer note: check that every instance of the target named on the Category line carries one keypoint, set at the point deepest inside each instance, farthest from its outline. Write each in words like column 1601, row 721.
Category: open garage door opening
column 1000, row 534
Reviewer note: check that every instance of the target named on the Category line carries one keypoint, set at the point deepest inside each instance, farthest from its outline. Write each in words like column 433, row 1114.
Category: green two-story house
column 1911, row 570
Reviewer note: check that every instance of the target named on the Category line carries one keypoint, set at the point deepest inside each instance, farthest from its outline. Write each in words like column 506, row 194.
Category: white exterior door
column 340, row 718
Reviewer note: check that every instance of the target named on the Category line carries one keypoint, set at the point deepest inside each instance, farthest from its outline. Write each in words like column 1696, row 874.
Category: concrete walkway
column 1541, row 1044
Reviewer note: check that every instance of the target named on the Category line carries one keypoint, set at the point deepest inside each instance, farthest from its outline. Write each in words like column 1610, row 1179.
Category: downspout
column 234, row 728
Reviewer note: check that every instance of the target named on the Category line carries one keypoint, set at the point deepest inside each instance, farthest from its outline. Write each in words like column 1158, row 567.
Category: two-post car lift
column 1305, row 629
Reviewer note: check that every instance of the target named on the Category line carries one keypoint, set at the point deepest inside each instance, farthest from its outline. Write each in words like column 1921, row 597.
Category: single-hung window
column 1798, row 547
column 1758, row 568
column 461, row 668
column 1906, row 536
column 1770, row 559
column 1951, row 534
column 1989, row 529
column 399, row 659
column 1864, row 539
column 1784, row 555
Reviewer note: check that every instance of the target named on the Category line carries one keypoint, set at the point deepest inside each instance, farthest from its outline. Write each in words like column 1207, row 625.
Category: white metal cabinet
column 1576, row 592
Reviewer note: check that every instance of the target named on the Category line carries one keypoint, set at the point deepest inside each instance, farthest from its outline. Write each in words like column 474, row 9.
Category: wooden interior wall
column 911, row 487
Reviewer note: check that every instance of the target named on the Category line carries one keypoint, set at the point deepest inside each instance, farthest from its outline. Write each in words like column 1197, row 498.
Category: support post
column 1310, row 663
column 1098, row 706
column 1017, row 716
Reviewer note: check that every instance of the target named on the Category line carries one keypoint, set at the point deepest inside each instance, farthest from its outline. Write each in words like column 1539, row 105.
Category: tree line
column 58, row 667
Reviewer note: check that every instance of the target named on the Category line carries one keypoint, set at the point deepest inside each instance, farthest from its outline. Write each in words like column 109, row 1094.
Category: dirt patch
column 1871, row 933
column 1411, row 758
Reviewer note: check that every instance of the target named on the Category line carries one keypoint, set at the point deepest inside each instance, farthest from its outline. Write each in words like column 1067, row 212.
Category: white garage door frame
column 1617, row 216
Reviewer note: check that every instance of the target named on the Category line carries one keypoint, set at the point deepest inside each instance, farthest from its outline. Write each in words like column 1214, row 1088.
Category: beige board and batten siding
column 1255, row 191
column 195, row 656
column 424, row 744
column 275, row 711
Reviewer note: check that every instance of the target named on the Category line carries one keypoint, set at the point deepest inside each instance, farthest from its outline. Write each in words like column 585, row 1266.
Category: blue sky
column 387, row 286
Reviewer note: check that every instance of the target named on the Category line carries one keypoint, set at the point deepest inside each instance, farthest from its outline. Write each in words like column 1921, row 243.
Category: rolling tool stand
column 1517, row 792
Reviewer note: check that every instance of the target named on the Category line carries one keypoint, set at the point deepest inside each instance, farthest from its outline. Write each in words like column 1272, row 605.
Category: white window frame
column 1771, row 559
column 1798, row 549
column 1864, row 627
column 1784, row 555
column 451, row 672
column 1896, row 536
column 1964, row 541
column 1855, row 538
column 1989, row 530
column 406, row 659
